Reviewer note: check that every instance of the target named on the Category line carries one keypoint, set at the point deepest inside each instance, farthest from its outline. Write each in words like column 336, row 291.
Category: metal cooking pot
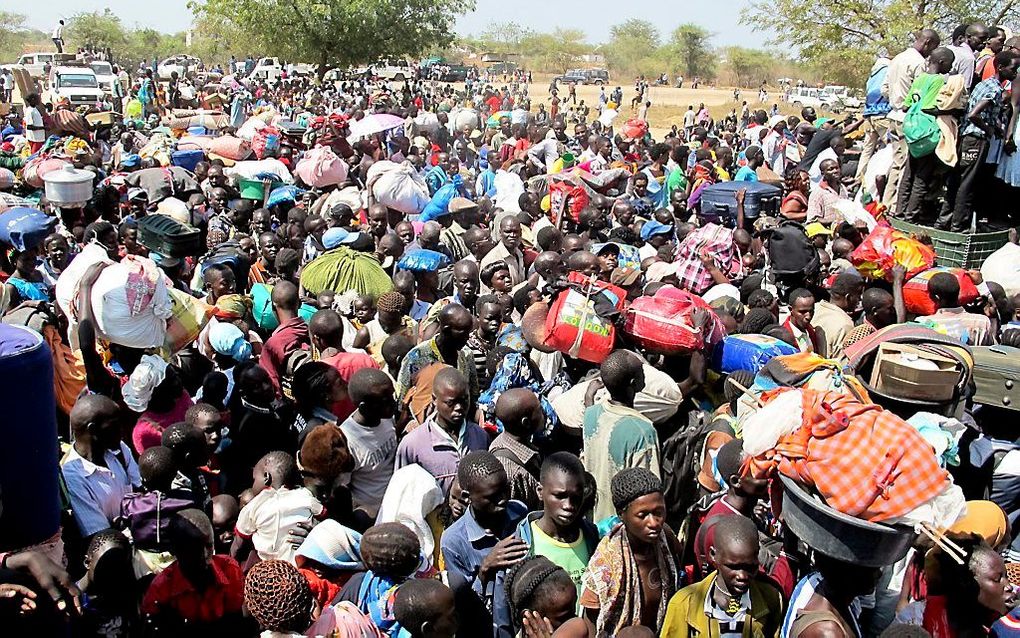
column 69, row 185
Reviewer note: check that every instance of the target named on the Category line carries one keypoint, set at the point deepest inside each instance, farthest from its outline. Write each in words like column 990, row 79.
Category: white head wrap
column 138, row 390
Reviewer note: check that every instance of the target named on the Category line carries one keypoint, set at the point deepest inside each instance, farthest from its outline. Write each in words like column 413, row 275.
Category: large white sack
column 351, row 196
column 250, row 168
column 68, row 281
column 659, row 400
column 399, row 187
column 117, row 322
column 1003, row 267
column 427, row 121
column 465, row 118
column 509, row 188
column 320, row 167
column 252, row 126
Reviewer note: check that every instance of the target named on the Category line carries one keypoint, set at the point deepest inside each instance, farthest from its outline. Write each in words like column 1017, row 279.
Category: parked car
column 267, row 69
column 104, row 74
column 573, row 76
column 455, row 73
column 801, row 96
column 598, row 77
column 397, row 70
column 182, row 64
column 503, row 68
column 36, row 63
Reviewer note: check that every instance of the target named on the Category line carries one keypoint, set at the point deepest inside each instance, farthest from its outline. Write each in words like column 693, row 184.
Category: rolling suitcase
column 997, row 376
column 169, row 237
column 719, row 202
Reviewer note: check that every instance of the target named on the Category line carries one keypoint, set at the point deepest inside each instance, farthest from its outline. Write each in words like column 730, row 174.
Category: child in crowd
column 279, row 504
column 425, row 609
column 225, row 510
column 201, row 590
column 480, row 546
column 328, row 557
column 109, row 595
column 560, row 531
column 542, row 595
column 191, row 453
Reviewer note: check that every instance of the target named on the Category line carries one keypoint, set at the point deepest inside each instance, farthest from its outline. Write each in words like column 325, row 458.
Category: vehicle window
column 44, row 58
column 102, row 68
column 27, row 59
column 77, row 80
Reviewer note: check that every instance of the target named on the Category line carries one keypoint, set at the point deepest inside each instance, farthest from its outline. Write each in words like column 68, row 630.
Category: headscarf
column 344, row 620
column 332, row 545
column 149, row 373
column 410, row 497
column 985, row 518
column 227, row 339
column 233, row 306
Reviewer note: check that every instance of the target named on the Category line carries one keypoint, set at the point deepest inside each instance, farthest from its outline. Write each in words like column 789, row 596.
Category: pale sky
column 593, row 16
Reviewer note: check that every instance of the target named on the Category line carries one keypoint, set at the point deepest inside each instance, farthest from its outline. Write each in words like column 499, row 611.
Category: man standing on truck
column 58, row 36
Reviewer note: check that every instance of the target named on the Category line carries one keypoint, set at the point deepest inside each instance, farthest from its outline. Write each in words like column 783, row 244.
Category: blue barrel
column 28, row 458
column 188, row 159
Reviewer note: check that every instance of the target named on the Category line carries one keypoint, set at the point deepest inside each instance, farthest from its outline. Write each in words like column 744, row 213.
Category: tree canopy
column 842, row 37
column 340, row 33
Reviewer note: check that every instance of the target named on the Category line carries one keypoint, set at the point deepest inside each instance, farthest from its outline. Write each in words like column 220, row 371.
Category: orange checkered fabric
column 864, row 461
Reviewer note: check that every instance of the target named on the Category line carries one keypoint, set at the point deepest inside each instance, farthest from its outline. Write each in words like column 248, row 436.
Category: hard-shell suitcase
column 719, row 201
column 997, row 376
column 169, row 237
column 291, row 128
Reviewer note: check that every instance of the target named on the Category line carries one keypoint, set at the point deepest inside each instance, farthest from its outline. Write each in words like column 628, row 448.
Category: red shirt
column 170, row 590
column 494, row 103
column 291, row 335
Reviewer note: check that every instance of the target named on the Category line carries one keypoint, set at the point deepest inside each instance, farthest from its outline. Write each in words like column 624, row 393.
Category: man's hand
column 10, row 590
column 975, row 276
column 899, row 272
column 298, row 535
column 507, row 553
column 740, row 195
column 51, row 578
column 92, row 274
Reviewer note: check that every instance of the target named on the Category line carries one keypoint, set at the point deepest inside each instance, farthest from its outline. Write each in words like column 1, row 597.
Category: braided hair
column 631, row 484
column 278, row 596
column 529, row 581
column 391, row 301
column 391, row 549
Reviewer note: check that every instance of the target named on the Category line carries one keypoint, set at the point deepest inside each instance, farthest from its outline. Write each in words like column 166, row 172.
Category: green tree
column 750, row 67
column 340, row 33
column 12, row 25
column 557, row 51
column 690, row 44
column 633, row 47
column 845, row 35
column 504, row 37
column 97, row 30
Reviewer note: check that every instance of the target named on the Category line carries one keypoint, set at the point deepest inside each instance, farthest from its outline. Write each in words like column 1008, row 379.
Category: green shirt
column 573, row 557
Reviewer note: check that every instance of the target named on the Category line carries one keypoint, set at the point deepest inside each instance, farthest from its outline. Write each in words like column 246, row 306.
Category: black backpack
column 790, row 251
column 680, row 465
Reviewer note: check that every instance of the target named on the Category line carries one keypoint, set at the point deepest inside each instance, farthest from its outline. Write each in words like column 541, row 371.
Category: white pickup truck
column 104, row 75
column 76, row 83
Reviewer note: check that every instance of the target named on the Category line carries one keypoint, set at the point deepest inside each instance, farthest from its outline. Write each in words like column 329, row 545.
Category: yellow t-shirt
column 573, row 557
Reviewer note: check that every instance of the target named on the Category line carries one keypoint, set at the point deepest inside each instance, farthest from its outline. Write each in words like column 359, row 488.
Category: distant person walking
column 58, row 36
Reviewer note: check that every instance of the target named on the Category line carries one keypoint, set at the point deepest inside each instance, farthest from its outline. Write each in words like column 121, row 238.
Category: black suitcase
column 718, row 202
column 291, row 128
column 169, row 237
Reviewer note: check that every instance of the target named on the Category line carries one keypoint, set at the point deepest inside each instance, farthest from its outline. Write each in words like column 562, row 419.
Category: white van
column 801, row 96
column 104, row 75
column 76, row 83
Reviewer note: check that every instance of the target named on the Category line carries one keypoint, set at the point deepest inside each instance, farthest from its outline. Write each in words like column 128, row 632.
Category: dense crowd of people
column 361, row 358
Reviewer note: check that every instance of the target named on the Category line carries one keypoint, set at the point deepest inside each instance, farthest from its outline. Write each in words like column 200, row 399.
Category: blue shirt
column 465, row 545
column 746, row 174
column 991, row 90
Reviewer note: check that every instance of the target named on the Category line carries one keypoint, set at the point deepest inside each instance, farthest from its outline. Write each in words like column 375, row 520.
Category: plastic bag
column 747, row 352
column 231, row 147
column 188, row 317
column 440, row 203
column 321, row 167
column 581, row 319
column 423, row 260
column 635, row 129
column 133, row 109
column 885, row 247
column 399, row 187
column 25, row 228
column 1003, row 267
column 919, row 302
column 571, row 198
column 265, row 142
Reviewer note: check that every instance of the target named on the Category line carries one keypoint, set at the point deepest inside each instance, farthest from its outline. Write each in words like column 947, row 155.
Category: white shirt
column 96, row 491
column 33, row 117
column 688, row 118
column 269, row 517
column 902, row 71
column 544, row 153
column 58, row 32
column 963, row 63
column 374, row 451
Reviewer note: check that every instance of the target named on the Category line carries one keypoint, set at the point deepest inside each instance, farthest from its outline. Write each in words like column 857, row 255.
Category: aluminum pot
column 69, row 185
